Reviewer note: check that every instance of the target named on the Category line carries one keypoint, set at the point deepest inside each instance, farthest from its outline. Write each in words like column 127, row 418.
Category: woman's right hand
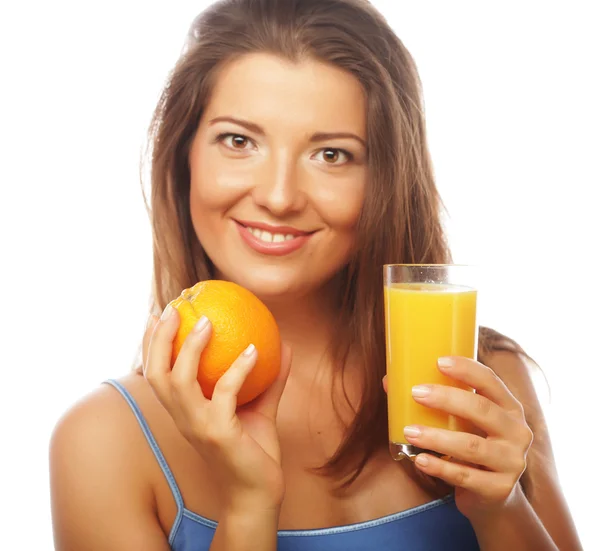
column 239, row 446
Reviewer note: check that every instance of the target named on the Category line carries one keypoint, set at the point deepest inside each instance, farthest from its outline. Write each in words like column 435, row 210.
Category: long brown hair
column 401, row 217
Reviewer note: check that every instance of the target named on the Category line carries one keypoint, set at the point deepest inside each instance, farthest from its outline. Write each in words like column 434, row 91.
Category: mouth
column 272, row 240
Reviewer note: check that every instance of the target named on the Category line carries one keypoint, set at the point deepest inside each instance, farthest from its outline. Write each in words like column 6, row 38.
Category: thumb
column 268, row 401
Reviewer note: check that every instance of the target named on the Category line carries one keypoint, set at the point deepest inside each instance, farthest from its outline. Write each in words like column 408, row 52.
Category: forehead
column 270, row 90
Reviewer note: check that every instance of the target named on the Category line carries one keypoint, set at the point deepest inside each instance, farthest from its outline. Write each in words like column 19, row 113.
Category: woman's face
column 278, row 173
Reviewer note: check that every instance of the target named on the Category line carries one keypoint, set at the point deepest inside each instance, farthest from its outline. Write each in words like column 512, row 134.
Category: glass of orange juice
column 430, row 312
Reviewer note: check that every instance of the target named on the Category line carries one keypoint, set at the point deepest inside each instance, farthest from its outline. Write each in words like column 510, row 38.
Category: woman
column 299, row 118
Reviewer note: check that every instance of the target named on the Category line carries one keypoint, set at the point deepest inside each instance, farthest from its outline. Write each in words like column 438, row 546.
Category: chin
column 271, row 284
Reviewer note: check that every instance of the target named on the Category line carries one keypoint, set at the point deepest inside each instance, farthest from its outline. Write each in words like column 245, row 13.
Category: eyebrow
column 317, row 137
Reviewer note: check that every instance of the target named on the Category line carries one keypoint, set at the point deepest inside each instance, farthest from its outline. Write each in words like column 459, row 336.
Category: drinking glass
column 430, row 312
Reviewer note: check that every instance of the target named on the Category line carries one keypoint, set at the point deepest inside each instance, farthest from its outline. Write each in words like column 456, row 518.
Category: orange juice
column 424, row 322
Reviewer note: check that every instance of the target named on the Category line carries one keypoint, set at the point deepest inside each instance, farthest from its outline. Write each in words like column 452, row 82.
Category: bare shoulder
column 525, row 380
column 101, row 492
column 523, row 377
column 100, row 421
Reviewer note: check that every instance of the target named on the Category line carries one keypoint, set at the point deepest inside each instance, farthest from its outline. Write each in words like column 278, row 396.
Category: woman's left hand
column 485, row 469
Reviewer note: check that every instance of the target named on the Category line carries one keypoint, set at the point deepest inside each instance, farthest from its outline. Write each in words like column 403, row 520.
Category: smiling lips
column 273, row 240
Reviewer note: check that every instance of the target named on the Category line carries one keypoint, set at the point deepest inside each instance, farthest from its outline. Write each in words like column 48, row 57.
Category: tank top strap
column 151, row 441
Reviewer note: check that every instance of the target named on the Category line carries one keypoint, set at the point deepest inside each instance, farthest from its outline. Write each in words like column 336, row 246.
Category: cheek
column 340, row 205
column 211, row 194
column 214, row 184
column 215, row 187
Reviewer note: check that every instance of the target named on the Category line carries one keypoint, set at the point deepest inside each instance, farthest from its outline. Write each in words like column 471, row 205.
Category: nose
column 279, row 188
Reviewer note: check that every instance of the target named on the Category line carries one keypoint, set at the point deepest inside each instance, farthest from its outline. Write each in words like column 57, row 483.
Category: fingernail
column 167, row 313
column 249, row 351
column 412, row 431
column 201, row 324
column 421, row 391
column 422, row 460
column 445, row 363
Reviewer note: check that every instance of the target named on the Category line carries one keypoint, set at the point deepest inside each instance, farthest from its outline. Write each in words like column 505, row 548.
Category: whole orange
column 239, row 318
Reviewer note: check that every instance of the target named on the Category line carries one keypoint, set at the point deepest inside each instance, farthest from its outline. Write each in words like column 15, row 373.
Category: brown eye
column 239, row 142
column 331, row 155
column 234, row 141
column 335, row 157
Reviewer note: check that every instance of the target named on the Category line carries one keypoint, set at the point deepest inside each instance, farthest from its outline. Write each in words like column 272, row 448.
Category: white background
column 511, row 95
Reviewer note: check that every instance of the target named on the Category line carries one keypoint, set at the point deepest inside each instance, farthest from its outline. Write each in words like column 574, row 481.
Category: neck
column 307, row 324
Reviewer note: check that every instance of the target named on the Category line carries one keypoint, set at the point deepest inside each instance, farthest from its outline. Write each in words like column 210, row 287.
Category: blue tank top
column 437, row 525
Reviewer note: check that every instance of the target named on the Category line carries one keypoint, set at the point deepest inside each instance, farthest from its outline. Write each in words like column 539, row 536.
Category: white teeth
column 266, row 236
column 269, row 237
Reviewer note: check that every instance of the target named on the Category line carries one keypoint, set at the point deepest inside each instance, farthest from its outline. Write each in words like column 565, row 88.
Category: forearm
column 247, row 531
column 517, row 528
column 542, row 489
